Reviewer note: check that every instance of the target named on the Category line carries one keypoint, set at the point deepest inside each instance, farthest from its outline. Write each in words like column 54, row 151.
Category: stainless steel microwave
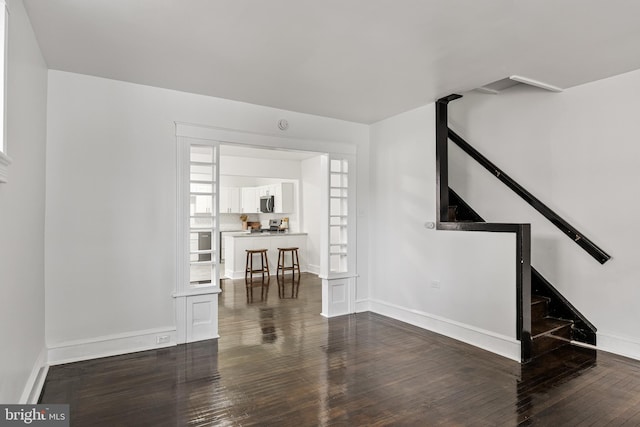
column 266, row 204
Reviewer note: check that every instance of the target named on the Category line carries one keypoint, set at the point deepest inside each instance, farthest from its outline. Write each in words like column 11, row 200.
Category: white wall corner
column 363, row 306
column 5, row 161
column 111, row 345
column 622, row 346
column 495, row 343
column 313, row 268
column 35, row 382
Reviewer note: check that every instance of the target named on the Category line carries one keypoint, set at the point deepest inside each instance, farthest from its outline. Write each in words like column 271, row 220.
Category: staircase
column 554, row 321
column 546, row 322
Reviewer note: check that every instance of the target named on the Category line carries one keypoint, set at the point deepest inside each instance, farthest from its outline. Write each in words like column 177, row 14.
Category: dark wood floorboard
column 279, row 363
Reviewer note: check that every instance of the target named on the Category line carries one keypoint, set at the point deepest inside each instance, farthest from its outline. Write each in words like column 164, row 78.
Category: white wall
column 476, row 300
column 22, row 213
column 578, row 152
column 110, row 235
column 265, row 168
column 311, row 195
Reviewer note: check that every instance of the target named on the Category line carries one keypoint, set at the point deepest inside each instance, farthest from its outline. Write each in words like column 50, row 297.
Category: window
column 5, row 160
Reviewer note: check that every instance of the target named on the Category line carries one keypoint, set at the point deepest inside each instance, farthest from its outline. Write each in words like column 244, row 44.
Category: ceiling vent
column 509, row 82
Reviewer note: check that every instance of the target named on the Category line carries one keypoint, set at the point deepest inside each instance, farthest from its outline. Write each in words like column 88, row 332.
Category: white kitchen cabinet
column 250, row 200
column 262, row 191
column 230, row 200
column 283, row 197
column 247, row 199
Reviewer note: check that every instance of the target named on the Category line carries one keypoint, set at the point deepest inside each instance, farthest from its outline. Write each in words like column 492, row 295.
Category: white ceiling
column 358, row 60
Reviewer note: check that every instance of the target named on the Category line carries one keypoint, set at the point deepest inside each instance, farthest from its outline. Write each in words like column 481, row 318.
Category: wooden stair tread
column 547, row 325
column 536, row 299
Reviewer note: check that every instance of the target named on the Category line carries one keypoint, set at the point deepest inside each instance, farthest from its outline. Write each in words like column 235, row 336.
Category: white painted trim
column 181, row 320
column 109, row 345
column 5, row 161
column 338, row 296
column 195, row 291
column 333, row 276
column 486, row 90
column 496, row 343
column 363, row 306
column 335, row 149
column 237, row 136
column 35, row 382
column 313, row 268
column 183, row 292
column 622, row 346
column 535, row 83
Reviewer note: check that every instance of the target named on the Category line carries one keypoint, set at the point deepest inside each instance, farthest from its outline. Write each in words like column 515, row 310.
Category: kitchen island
column 235, row 246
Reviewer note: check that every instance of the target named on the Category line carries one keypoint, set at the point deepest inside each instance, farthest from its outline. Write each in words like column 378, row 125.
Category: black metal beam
column 522, row 231
column 579, row 238
column 442, row 158
column 523, row 290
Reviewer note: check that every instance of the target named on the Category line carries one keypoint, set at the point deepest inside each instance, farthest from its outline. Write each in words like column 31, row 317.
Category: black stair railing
column 579, row 238
column 522, row 231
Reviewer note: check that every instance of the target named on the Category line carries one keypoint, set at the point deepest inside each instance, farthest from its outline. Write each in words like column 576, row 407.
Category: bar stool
column 249, row 271
column 295, row 266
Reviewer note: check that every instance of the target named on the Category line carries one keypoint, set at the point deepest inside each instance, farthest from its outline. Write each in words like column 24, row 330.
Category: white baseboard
column 496, row 343
column 362, row 306
column 35, row 382
column 618, row 345
column 110, row 345
column 312, row 268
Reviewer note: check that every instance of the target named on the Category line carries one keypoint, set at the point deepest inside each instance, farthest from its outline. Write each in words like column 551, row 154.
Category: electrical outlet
column 435, row 284
column 163, row 339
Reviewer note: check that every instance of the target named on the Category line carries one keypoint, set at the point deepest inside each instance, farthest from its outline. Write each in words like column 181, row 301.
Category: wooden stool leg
column 251, row 275
column 279, row 266
column 280, row 284
column 264, row 288
column 266, row 263
column 246, row 267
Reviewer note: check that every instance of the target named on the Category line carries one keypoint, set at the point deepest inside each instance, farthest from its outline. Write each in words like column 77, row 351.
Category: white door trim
column 336, row 149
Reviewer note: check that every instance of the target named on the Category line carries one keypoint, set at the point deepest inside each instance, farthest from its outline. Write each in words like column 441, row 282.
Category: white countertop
column 267, row 234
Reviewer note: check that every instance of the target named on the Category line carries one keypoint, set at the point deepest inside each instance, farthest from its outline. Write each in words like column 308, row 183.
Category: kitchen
column 267, row 199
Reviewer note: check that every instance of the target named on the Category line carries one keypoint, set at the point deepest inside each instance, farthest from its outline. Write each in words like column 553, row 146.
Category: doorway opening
column 310, row 204
column 291, row 181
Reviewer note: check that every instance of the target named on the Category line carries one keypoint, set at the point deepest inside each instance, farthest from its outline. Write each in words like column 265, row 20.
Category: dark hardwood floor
column 278, row 362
